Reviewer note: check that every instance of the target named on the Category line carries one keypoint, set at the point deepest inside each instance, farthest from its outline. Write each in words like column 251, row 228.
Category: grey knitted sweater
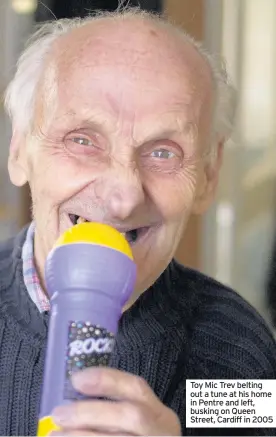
column 185, row 326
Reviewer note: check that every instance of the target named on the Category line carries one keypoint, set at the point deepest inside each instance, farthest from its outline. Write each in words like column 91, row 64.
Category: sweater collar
column 15, row 301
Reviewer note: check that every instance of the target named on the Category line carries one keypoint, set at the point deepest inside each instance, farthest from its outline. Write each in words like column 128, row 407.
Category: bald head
column 130, row 37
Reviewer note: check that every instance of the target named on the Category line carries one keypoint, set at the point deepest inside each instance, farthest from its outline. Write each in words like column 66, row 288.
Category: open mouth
column 132, row 235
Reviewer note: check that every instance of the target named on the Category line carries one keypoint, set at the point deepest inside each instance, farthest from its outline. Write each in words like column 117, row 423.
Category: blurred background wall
column 233, row 241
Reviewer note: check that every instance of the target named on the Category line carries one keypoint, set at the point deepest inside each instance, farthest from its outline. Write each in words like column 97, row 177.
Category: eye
column 80, row 145
column 82, row 141
column 163, row 154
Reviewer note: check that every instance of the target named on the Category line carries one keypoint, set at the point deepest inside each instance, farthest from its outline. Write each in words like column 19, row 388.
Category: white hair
column 21, row 92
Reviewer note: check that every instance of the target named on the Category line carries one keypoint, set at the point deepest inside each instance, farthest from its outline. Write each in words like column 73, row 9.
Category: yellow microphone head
column 98, row 234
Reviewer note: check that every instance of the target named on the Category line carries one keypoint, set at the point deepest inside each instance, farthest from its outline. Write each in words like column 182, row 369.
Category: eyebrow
column 185, row 127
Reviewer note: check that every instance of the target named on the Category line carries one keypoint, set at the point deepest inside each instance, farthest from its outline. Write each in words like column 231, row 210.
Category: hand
column 137, row 410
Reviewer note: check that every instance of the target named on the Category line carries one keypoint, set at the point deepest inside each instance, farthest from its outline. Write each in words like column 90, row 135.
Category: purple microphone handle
column 88, row 286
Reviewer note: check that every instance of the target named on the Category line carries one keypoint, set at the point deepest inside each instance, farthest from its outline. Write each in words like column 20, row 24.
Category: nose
column 121, row 193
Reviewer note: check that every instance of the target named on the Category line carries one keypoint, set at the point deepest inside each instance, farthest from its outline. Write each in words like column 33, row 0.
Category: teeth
column 76, row 220
column 81, row 220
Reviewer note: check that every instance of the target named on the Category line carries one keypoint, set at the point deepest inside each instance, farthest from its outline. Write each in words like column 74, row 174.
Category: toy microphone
column 90, row 275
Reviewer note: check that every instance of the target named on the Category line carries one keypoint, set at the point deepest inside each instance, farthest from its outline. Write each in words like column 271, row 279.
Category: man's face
column 121, row 123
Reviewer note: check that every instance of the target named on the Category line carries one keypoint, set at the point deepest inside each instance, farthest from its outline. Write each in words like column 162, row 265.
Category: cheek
column 174, row 196
column 57, row 178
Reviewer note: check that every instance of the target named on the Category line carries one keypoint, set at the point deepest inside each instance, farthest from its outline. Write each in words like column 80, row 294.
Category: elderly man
column 121, row 119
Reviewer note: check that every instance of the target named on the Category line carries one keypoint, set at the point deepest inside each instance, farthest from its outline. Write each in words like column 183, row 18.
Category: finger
column 75, row 432
column 107, row 417
column 114, row 384
column 81, row 432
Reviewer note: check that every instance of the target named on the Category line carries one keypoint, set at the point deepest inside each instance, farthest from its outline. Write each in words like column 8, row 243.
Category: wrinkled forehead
column 127, row 71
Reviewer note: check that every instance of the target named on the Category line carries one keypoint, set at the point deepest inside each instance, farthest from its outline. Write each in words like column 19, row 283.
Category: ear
column 208, row 182
column 17, row 162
